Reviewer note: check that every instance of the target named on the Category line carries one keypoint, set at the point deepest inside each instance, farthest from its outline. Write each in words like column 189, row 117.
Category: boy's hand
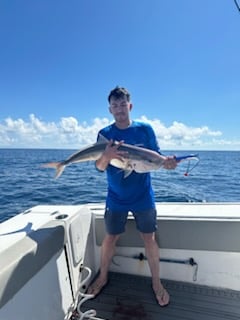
column 170, row 163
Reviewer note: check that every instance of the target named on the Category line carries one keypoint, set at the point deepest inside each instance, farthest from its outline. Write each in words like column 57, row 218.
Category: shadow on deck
column 130, row 297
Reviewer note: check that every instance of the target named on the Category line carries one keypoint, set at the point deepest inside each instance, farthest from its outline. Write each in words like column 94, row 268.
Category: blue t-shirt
column 133, row 193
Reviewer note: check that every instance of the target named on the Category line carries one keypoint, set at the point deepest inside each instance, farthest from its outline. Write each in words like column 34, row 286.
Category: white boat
column 50, row 254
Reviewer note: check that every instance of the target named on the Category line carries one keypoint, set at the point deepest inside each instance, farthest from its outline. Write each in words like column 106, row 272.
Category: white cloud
column 35, row 133
column 69, row 133
column 180, row 136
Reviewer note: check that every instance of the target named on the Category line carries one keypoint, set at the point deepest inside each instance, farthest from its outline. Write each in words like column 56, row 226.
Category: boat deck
column 130, row 297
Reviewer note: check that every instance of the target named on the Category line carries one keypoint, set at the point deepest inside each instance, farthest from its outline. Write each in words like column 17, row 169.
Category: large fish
column 137, row 159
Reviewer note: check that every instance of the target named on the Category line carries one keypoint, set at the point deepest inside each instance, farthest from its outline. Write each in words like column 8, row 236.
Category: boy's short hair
column 119, row 92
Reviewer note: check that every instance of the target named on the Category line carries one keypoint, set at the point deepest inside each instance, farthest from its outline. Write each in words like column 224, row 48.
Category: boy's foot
column 96, row 287
column 162, row 296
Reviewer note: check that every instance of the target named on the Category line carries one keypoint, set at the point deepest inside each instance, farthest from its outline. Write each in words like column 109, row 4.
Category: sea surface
column 24, row 183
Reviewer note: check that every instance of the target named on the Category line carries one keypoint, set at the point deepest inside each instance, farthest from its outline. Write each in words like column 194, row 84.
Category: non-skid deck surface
column 130, row 297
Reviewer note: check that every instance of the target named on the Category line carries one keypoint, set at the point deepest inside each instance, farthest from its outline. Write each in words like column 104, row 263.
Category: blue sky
column 179, row 59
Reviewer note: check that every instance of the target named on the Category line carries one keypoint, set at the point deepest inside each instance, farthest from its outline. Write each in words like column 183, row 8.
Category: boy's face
column 120, row 108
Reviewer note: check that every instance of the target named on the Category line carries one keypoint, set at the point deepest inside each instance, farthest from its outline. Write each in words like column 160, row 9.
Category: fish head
column 138, row 159
column 145, row 165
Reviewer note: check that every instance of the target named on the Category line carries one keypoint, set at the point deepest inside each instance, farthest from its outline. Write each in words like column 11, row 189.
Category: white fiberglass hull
column 42, row 252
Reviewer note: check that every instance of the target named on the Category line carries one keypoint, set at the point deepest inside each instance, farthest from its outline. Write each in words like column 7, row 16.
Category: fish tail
column 59, row 166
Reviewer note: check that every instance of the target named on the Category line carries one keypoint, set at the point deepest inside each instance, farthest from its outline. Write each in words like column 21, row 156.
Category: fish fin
column 127, row 173
column 101, row 138
column 55, row 165
column 59, row 170
column 119, row 163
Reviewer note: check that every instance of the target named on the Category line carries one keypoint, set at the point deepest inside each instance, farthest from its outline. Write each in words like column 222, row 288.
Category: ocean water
column 24, row 183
